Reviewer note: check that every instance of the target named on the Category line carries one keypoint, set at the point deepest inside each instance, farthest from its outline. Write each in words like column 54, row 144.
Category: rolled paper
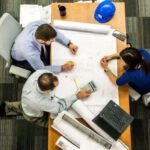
column 84, row 27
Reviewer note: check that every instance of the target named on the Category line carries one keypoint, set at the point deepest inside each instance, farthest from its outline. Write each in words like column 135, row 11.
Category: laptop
column 113, row 120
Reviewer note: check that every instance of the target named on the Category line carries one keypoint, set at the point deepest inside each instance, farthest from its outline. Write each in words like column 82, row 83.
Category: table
column 83, row 12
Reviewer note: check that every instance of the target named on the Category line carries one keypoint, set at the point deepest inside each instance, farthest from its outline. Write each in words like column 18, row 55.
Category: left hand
column 104, row 63
column 68, row 66
column 73, row 48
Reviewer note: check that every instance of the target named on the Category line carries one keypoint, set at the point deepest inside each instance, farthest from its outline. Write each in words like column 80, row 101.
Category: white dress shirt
column 35, row 102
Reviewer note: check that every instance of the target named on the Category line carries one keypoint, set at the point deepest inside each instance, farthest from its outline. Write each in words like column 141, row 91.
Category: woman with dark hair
column 137, row 69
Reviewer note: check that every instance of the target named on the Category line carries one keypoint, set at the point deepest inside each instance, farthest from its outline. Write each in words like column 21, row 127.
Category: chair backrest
column 9, row 30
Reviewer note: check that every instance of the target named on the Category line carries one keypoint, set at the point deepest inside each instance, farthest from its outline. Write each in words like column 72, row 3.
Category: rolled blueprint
column 83, row 27
column 64, row 144
column 68, row 131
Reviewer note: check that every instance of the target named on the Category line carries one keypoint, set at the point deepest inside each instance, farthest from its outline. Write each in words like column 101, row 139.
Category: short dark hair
column 133, row 57
column 46, row 81
column 45, row 32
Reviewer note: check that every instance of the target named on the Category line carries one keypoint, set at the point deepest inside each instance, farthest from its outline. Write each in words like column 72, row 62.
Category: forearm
column 110, row 75
column 61, row 38
column 114, row 56
column 57, row 105
column 64, row 104
column 54, row 69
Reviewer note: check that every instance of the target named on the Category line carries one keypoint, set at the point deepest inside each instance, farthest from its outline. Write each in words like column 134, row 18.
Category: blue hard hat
column 105, row 11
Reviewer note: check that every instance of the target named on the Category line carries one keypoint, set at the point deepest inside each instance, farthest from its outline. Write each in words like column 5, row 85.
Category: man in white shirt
column 38, row 99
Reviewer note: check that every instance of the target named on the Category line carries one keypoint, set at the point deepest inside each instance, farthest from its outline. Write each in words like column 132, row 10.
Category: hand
column 104, row 63
column 82, row 94
column 73, row 48
column 67, row 66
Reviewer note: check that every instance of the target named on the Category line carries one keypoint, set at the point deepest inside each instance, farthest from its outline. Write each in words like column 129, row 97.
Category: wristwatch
column 106, row 69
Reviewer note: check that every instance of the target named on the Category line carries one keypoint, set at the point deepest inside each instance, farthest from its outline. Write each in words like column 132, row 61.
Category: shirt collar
column 39, row 90
column 42, row 92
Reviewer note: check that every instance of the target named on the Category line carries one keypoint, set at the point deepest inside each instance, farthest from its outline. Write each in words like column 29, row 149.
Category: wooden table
column 83, row 12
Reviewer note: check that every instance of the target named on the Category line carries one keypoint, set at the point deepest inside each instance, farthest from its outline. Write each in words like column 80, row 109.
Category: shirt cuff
column 68, row 43
column 118, row 82
column 54, row 69
column 70, row 100
column 73, row 98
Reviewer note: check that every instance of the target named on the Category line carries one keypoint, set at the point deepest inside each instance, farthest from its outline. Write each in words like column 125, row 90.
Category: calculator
column 90, row 86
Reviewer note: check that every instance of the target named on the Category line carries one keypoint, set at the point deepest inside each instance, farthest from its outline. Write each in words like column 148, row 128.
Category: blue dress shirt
column 26, row 47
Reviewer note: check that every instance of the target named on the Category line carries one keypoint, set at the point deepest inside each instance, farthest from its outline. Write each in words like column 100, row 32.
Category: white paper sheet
column 92, row 47
column 92, row 146
column 30, row 13
column 119, row 145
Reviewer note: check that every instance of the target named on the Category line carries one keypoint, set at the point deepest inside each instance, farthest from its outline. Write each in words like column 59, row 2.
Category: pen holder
column 62, row 10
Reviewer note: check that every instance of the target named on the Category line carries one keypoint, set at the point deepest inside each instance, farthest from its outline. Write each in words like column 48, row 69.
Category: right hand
column 104, row 63
column 82, row 94
column 73, row 48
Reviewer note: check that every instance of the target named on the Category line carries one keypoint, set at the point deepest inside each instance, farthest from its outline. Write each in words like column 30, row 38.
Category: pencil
column 75, row 83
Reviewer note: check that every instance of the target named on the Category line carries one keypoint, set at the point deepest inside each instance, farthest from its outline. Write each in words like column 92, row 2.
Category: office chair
column 9, row 30
column 133, row 94
column 136, row 96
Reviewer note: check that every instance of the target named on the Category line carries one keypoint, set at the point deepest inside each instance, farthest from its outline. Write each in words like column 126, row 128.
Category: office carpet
column 17, row 134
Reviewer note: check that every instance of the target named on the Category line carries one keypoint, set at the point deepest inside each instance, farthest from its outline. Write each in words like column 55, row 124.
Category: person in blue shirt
column 137, row 69
column 29, row 49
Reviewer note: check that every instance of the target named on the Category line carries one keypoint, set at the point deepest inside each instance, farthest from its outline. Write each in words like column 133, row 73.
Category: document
column 30, row 13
